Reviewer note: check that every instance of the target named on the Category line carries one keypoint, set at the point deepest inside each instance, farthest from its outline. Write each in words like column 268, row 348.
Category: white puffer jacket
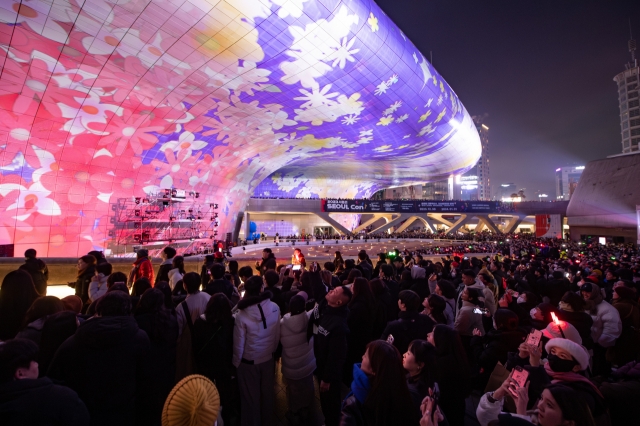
column 607, row 325
column 174, row 277
column 257, row 330
column 98, row 287
column 298, row 360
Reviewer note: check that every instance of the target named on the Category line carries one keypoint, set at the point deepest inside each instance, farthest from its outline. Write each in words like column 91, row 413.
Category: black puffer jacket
column 82, row 284
column 409, row 326
column 330, row 341
column 40, row 402
column 106, row 362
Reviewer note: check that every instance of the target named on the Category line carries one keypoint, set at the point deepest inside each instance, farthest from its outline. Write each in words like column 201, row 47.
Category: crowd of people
column 536, row 331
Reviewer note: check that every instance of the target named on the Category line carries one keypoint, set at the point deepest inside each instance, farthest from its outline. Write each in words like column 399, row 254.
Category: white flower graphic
column 402, row 118
column 316, row 98
column 31, row 200
column 343, row 53
column 350, row 119
column 187, row 140
column 381, row 88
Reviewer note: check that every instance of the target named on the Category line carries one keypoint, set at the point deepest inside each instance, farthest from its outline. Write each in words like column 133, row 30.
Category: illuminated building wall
column 102, row 100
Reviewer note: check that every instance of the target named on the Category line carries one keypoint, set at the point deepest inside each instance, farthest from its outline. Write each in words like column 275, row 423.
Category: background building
column 476, row 183
column 566, row 181
column 628, row 82
column 441, row 190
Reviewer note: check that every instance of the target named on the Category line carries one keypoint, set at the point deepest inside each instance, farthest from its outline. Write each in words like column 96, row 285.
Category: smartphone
column 296, row 267
column 534, row 337
column 520, row 376
column 436, row 399
column 390, row 339
column 480, row 311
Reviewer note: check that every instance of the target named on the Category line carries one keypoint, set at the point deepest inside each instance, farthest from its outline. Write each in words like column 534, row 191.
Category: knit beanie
column 570, row 332
column 72, row 303
column 626, row 293
column 578, row 352
column 194, row 401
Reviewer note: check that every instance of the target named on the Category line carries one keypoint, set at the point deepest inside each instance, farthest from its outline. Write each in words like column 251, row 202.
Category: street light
column 541, row 196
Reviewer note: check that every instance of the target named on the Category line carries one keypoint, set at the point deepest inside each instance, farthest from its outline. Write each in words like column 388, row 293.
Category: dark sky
column 542, row 71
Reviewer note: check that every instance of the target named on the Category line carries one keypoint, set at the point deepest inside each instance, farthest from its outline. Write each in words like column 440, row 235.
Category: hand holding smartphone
column 518, row 380
column 534, row 337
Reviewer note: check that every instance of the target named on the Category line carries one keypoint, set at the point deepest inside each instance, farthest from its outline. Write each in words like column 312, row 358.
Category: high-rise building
column 628, row 85
column 566, row 181
column 438, row 191
column 476, row 183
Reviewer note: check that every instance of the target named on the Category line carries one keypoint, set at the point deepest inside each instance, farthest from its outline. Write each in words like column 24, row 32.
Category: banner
column 548, row 226
column 415, row 206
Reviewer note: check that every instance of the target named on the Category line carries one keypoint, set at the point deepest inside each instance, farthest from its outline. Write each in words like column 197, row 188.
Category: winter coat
column 330, row 341
column 39, row 273
column 627, row 346
column 582, row 321
column 607, row 326
column 97, row 287
column 33, row 331
column 352, row 406
column 82, row 284
column 489, row 300
column 197, row 304
column 142, row 268
column 161, row 362
column 492, row 348
column 449, row 315
column 163, row 270
column 467, row 320
column 220, row 286
column 105, row 362
column 489, row 411
column 555, row 289
column 40, row 402
column 477, row 285
column 408, row 327
column 205, row 273
column 298, row 360
column 360, row 322
column 213, row 352
column 257, row 329
column 174, row 276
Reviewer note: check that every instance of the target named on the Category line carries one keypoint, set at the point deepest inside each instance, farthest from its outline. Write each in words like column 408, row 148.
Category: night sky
column 542, row 71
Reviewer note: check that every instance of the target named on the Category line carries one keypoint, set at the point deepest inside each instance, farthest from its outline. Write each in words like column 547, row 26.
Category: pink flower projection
column 102, row 100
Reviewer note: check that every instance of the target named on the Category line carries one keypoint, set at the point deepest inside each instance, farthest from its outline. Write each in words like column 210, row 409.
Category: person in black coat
column 495, row 345
column 572, row 310
column 27, row 400
column 213, row 351
column 17, row 294
column 410, row 325
column 360, row 322
column 218, row 284
column 555, row 288
column 452, row 372
column 37, row 269
column 57, row 328
column 86, row 270
column 161, row 326
column 106, row 362
column 167, row 255
column 330, row 348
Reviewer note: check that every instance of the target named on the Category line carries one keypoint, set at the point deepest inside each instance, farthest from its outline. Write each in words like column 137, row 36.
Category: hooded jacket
column 607, row 325
column 298, row 360
column 257, row 329
column 40, row 402
column 105, row 363
column 97, row 287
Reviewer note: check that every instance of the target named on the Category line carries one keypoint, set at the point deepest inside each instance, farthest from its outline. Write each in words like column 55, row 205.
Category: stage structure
column 104, row 100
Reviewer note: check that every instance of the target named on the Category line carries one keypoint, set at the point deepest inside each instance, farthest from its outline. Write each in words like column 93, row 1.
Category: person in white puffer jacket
column 607, row 325
column 98, row 285
column 255, row 339
column 298, row 360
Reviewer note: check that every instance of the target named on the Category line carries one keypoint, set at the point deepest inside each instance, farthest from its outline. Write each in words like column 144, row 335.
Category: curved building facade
column 107, row 106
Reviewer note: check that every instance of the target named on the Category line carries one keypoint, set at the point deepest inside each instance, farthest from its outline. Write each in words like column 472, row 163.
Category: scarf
column 569, row 377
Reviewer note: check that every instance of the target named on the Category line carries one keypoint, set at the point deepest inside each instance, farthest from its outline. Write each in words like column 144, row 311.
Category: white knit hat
column 578, row 352
column 570, row 332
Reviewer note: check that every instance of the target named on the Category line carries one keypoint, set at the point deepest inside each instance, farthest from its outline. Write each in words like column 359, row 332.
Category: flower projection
column 106, row 99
